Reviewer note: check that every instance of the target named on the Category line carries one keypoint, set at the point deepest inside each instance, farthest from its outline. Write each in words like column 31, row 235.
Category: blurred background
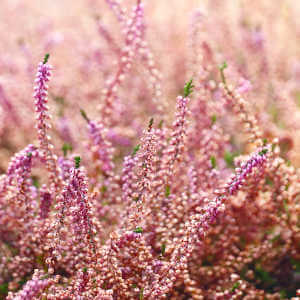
column 259, row 39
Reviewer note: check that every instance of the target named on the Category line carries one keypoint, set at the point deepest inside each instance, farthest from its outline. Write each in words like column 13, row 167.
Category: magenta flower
column 32, row 288
column 42, row 110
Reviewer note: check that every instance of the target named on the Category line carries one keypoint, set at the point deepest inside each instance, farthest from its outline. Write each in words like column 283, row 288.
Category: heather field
column 149, row 149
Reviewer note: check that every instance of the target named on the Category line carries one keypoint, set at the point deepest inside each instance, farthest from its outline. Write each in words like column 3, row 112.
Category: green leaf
column 141, row 296
column 229, row 158
column 35, row 181
column 163, row 249
column 160, row 124
column 222, row 68
column 138, row 230
column 135, row 150
column 77, row 160
column 84, row 115
column 46, row 58
column 151, row 122
column 213, row 119
column 4, row 289
column 235, row 286
column 276, row 238
column 103, row 189
column 283, row 294
column 167, row 191
column 188, row 88
column 263, row 152
column 213, row 162
column 65, row 148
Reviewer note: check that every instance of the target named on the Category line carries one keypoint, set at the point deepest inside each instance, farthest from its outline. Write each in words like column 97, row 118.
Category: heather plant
column 158, row 157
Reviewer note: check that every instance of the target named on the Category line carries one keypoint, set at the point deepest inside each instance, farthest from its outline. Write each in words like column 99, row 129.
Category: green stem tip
column 136, row 149
column 46, row 58
column 77, row 160
column 188, row 88
column 151, row 123
column 222, row 68
column 84, row 115
column 138, row 230
column 263, row 152
column 65, row 148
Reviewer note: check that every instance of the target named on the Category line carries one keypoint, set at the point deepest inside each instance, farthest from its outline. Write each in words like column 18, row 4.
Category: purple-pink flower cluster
column 170, row 190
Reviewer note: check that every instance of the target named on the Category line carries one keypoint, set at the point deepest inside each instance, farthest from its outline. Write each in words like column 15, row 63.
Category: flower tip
column 188, row 88
column 263, row 152
column 160, row 125
column 151, row 122
column 138, row 230
column 223, row 66
column 167, row 191
column 65, row 148
column 77, row 160
column 213, row 119
column 46, row 58
column 135, row 150
column 84, row 115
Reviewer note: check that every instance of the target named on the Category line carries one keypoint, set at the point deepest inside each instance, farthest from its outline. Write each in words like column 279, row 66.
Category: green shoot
column 213, row 162
column 188, row 88
column 213, row 119
column 167, row 191
column 263, row 152
column 65, row 148
column 135, row 150
column 141, row 297
column 46, row 58
column 160, row 124
column 235, row 286
column 77, row 160
column 84, row 115
column 222, row 68
column 138, row 230
column 151, row 123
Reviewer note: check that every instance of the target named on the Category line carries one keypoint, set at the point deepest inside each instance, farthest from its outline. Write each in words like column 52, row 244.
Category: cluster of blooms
column 200, row 202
